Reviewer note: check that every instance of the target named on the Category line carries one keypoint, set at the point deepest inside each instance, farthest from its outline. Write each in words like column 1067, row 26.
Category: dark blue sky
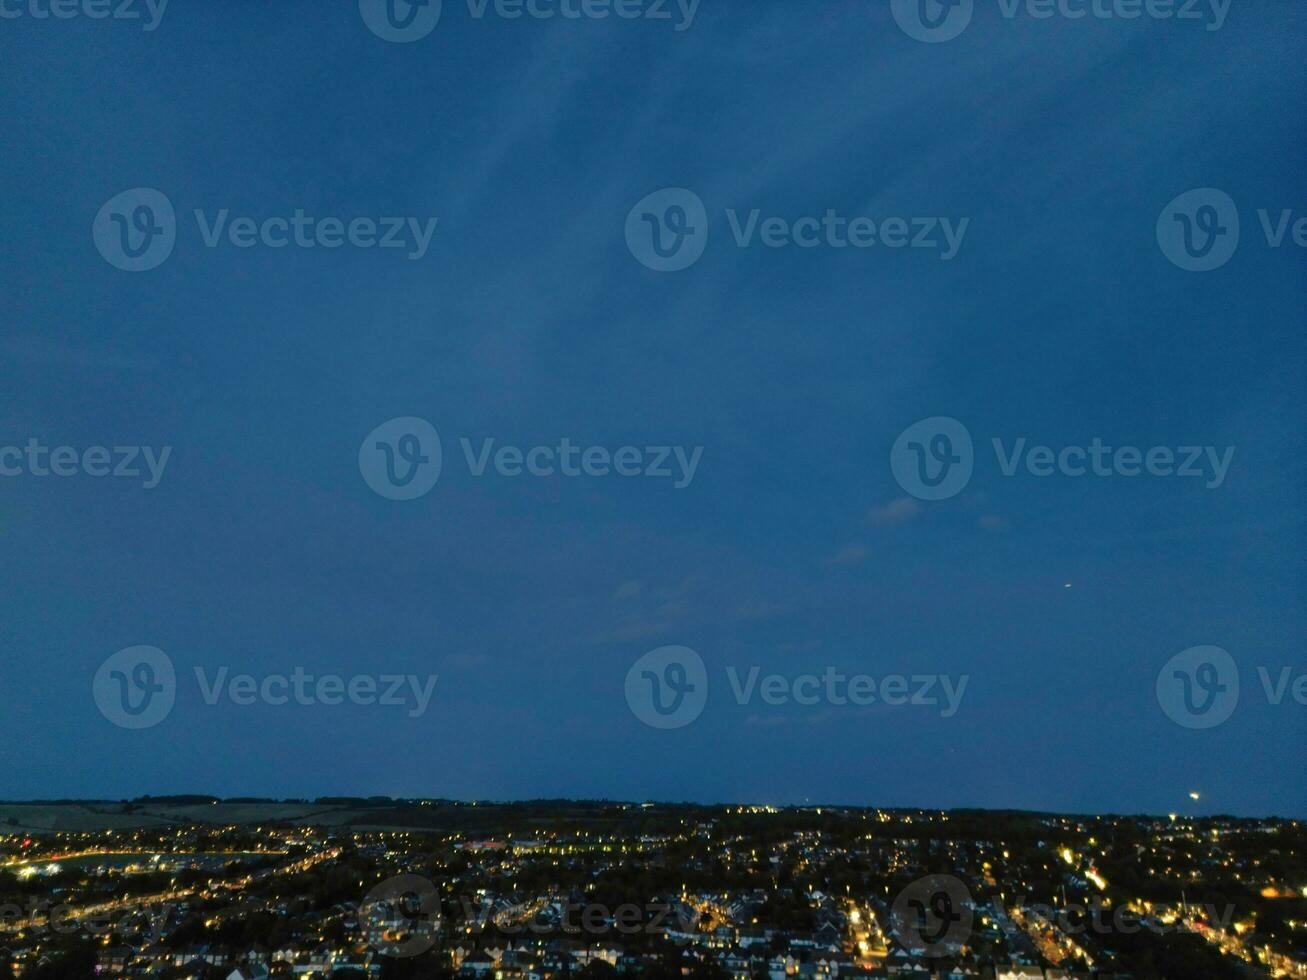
column 528, row 320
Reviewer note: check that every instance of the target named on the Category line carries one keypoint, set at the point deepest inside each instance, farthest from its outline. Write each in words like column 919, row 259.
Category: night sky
column 529, row 319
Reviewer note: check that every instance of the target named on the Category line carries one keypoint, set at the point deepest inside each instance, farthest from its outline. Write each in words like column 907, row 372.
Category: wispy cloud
column 851, row 554
column 628, row 590
column 898, row 511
